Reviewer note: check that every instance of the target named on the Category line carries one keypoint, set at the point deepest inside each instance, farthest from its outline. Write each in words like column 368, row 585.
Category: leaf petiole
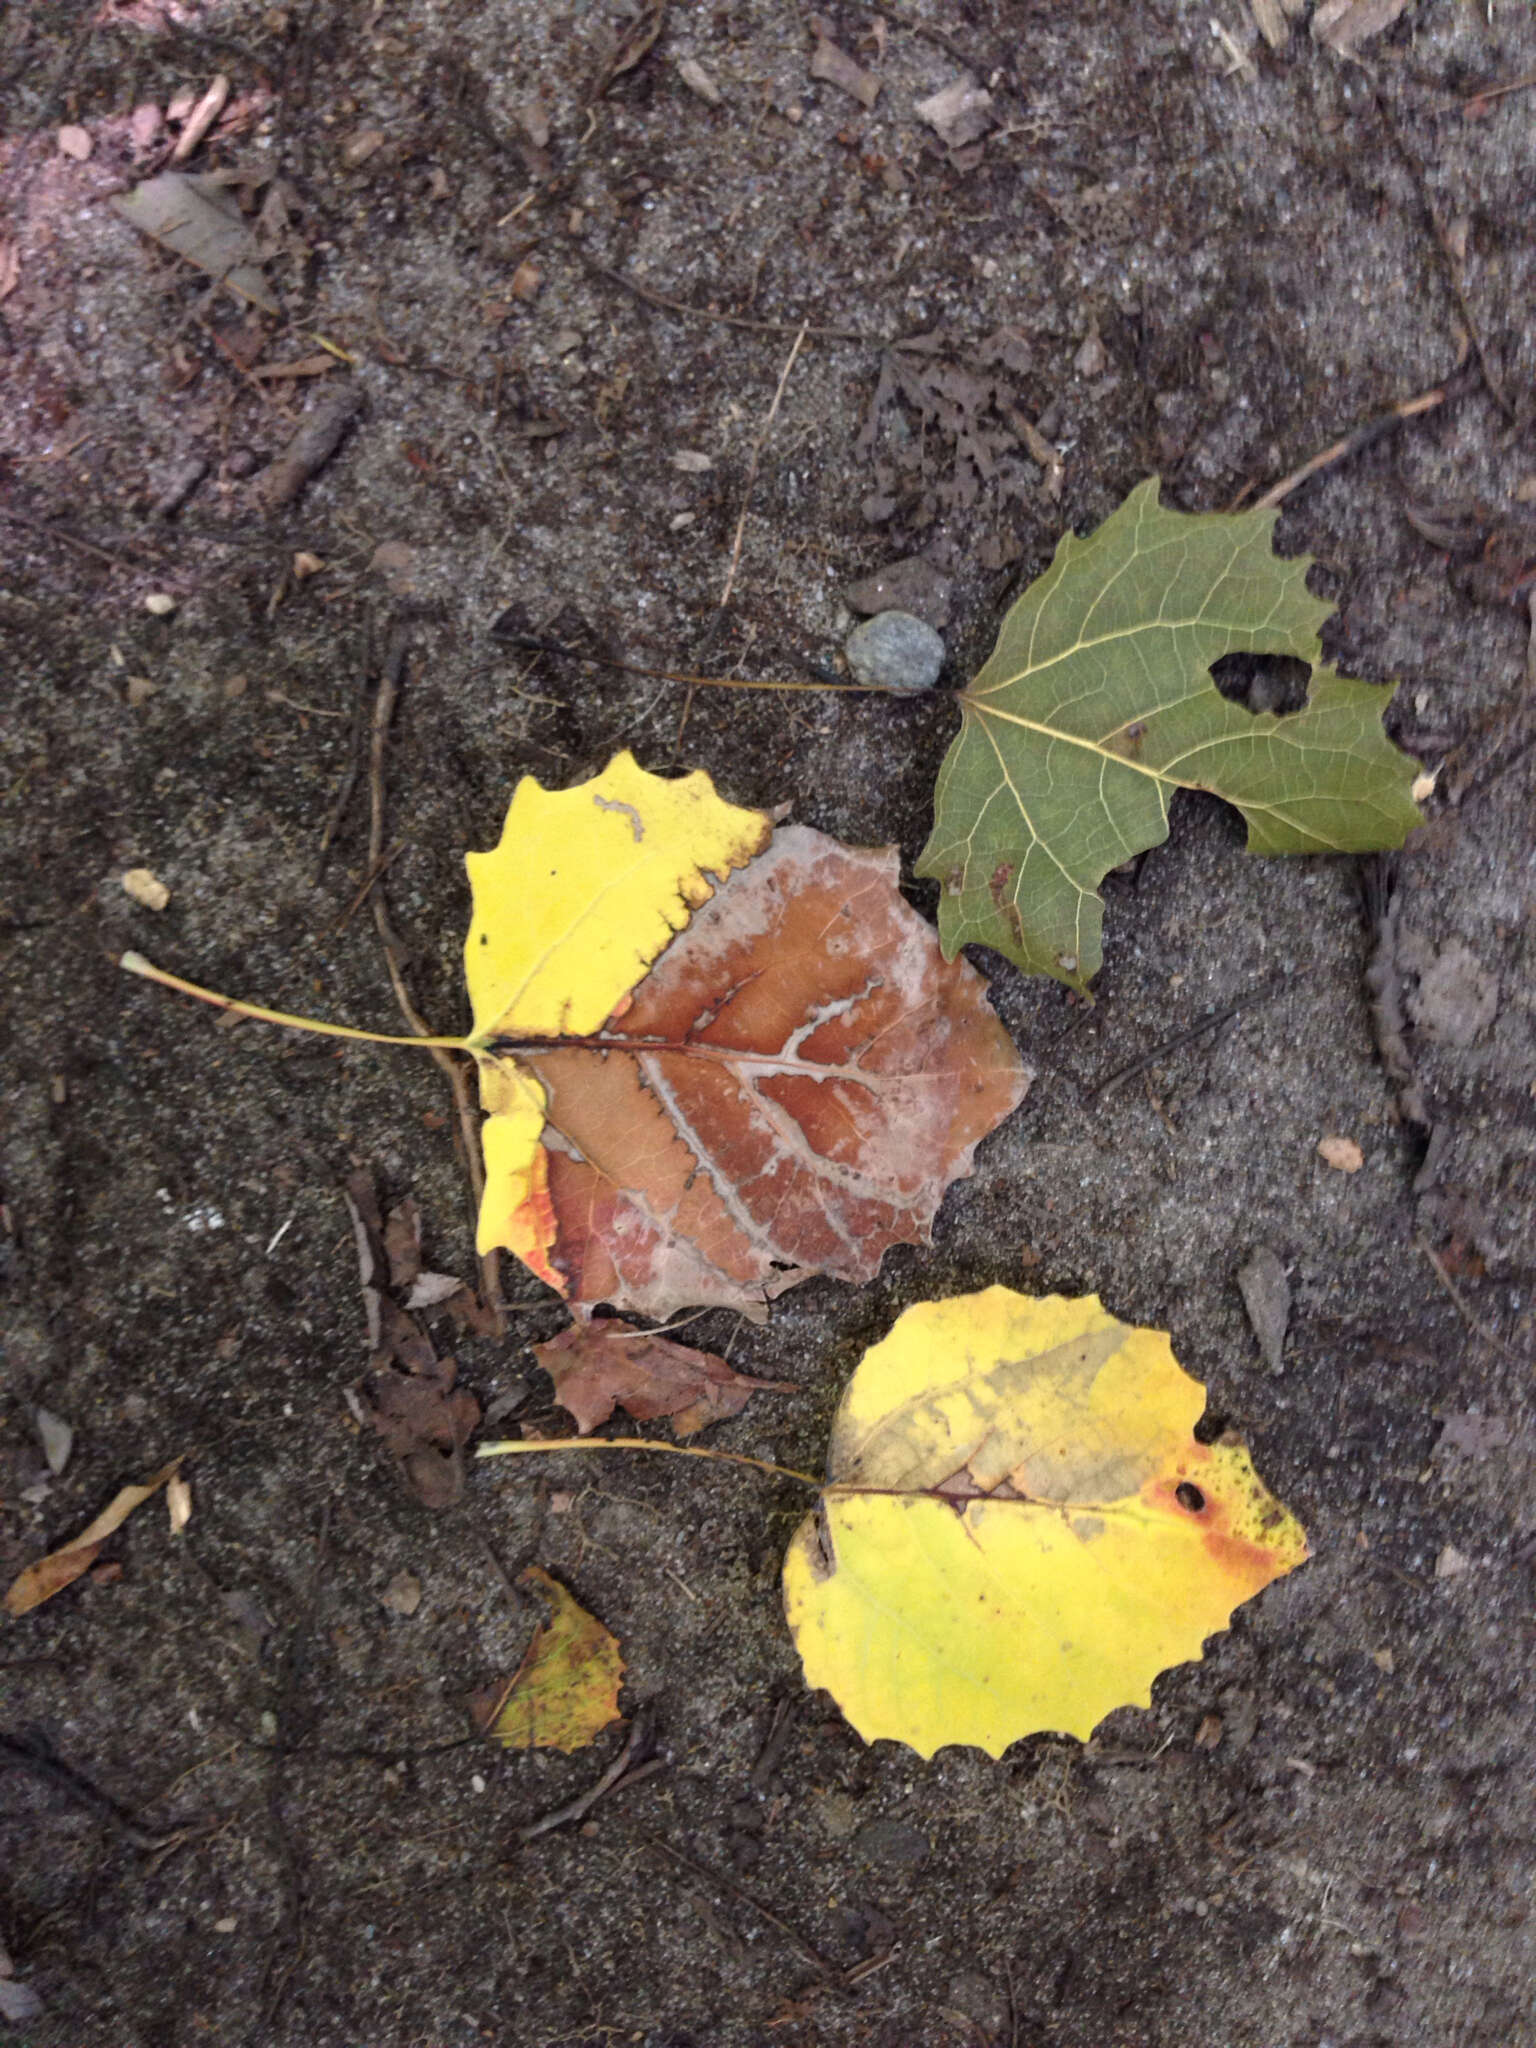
column 135, row 963
column 528, row 1445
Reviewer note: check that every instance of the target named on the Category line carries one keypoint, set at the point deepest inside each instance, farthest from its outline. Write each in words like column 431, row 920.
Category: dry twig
column 390, row 679
column 757, row 450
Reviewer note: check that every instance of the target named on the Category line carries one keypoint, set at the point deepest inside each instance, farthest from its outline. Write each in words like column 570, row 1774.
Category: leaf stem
column 529, row 1445
column 135, row 963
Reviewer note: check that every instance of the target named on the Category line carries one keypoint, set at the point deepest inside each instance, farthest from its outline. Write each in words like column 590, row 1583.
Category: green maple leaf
column 1098, row 703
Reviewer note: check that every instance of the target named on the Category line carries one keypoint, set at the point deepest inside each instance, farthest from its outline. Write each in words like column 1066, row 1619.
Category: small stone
column 306, row 565
column 691, row 462
column 227, row 1925
column 160, row 603
column 1208, row 1734
column 526, row 280
column 895, row 651
column 1383, row 1660
column 146, row 888
column 911, row 585
column 357, row 148
column 138, row 690
column 1267, row 1297
column 75, row 143
column 1452, row 1563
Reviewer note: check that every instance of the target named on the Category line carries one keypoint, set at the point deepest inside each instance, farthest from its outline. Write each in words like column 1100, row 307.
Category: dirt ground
column 1165, row 260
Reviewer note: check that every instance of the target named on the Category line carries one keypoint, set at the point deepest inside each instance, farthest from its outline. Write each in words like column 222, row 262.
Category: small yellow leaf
column 566, row 1690
column 1019, row 1531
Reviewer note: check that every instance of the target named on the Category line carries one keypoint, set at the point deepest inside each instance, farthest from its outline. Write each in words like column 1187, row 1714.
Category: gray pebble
column 896, row 651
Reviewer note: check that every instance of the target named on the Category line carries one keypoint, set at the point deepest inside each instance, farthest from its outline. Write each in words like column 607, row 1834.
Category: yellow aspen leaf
column 715, row 1058
column 1019, row 1530
column 566, row 1690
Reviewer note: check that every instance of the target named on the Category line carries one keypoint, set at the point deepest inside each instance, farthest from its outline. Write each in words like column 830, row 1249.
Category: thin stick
column 463, row 1103
column 680, row 306
column 818, row 1962
column 532, row 1445
column 1497, row 92
column 1182, row 1038
column 1362, row 437
column 60, row 533
column 1478, row 1329
column 353, row 768
column 534, row 643
column 757, row 449
column 627, row 1762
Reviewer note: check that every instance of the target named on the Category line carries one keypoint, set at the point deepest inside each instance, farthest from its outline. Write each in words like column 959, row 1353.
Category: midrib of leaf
column 971, row 707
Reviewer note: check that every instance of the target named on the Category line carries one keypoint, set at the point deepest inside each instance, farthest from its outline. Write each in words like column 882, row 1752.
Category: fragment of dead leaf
column 10, row 268
column 146, row 888
column 1343, row 1154
column 833, row 66
column 606, row 1363
column 60, row 1568
column 178, row 1501
column 565, row 1692
column 958, row 113
column 200, row 221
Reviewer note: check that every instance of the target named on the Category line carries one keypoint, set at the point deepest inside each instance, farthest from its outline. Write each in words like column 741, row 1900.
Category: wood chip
column 1269, row 18
column 1343, row 1154
column 146, row 888
column 201, row 119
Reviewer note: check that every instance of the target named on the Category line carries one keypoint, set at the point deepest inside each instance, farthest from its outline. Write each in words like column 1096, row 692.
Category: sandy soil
column 1320, row 1834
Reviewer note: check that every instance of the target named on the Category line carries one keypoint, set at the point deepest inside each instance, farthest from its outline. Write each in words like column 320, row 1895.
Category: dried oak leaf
column 607, row 1364
column 705, row 1094
column 1019, row 1530
column 566, row 1690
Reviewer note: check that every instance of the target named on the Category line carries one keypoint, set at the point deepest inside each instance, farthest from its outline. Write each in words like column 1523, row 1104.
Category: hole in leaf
column 1189, row 1497
column 1263, row 682
column 1209, row 1428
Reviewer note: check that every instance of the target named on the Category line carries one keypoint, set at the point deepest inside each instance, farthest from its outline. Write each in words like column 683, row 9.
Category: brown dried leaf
column 425, row 1423
column 51, row 1574
column 835, row 67
column 600, row 1366
column 807, row 1076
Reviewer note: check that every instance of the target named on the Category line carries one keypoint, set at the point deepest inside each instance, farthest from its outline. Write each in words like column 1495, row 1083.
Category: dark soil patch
column 1266, row 261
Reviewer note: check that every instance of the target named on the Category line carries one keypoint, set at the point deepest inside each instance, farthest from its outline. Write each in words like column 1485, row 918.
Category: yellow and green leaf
column 1019, row 1530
